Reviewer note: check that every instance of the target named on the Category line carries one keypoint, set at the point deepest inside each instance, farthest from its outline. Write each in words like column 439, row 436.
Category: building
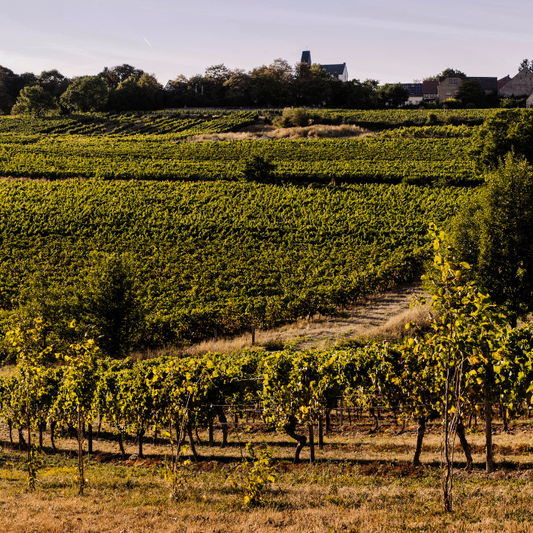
column 430, row 90
column 503, row 82
column 520, row 85
column 416, row 94
column 449, row 87
column 338, row 70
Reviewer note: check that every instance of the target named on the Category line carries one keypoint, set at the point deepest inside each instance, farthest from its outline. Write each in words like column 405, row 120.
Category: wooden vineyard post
column 311, row 444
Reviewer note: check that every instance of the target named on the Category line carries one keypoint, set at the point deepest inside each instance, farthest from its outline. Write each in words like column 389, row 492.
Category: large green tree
column 392, row 95
column 34, row 100
column 493, row 233
column 53, row 82
column 88, row 93
column 471, row 94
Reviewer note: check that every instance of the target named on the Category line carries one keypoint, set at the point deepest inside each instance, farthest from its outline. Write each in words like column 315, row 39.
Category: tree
column 53, row 82
column 471, row 94
column 464, row 352
column 87, row 93
column 10, row 86
column 526, row 64
column 34, row 100
column 271, row 85
column 110, row 304
column 114, row 76
column 502, row 132
column 133, row 95
column 128, row 96
column 238, row 88
column 312, row 84
column 493, row 234
column 76, row 395
column 447, row 73
column 258, row 168
column 392, row 95
column 179, row 93
column 295, row 117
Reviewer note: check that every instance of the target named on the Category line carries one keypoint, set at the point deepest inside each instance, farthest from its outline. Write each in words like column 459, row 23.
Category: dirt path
column 380, row 317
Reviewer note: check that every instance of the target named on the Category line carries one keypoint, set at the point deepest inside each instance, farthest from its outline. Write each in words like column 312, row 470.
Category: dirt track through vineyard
column 379, row 317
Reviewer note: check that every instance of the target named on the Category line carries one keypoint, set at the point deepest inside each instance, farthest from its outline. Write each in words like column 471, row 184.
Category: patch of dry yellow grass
column 7, row 370
column 315, row 131
column 360, row 483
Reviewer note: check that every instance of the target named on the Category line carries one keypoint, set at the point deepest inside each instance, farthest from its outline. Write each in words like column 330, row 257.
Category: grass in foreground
column 361, row 482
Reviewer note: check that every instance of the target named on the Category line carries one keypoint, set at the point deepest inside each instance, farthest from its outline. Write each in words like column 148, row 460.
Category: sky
column 387, row 40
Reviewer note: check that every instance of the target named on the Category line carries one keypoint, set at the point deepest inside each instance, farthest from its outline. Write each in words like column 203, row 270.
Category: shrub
column 432, row 120
column 258, row 168
column 452, row 103
column 509, row 130
column 294, row 117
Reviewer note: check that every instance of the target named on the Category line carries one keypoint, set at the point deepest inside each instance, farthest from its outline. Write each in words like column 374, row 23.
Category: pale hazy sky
column 381, row 39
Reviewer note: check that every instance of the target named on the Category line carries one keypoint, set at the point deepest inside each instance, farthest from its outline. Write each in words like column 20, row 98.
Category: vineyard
column 269, row 254
column 189, row 122
column 175, row 125
column 292, row 392
column 305, row 396
column 151, row 147
column 423, row 161
column 210, row 252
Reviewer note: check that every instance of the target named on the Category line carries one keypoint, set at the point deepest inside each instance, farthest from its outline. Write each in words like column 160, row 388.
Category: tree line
column 127, row 88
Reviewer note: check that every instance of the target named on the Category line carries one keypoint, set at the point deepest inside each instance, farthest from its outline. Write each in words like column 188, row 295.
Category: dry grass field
column 264, row 132
column 360, row 482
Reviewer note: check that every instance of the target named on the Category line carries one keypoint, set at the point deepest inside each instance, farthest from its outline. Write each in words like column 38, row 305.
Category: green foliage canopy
column 493, row 234
column 88, row 93
column 502, row 132
column 34, row 100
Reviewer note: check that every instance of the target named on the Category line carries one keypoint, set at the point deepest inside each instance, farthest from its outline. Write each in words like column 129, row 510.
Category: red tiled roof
column 430, row 87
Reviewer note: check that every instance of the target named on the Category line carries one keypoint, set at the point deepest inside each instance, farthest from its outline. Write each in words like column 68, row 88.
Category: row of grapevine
column 471, row 357
column 148, row 157
column 169, row 396
column 403, row 116
column 174, row 125
column 166, row 121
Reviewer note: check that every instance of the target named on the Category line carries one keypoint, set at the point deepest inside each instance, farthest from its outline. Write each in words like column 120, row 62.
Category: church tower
column 306, row 57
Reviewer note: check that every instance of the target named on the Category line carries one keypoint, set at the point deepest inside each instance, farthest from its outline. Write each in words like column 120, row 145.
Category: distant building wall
column 414, row 100
column 520, row 85
column 449, row 87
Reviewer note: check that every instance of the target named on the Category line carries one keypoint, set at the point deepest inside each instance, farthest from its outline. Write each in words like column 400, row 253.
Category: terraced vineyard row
column 404, row 116
column 172, row 395
column 175, row 125
column 147, row 157
column 220, row 256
